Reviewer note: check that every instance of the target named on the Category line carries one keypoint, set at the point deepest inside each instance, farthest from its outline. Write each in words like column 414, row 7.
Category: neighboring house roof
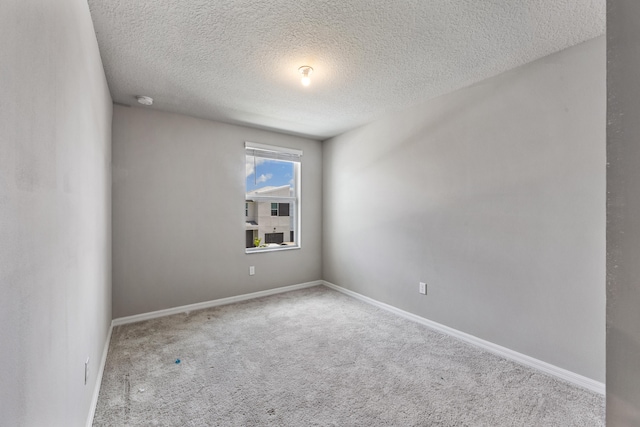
column 270, row 191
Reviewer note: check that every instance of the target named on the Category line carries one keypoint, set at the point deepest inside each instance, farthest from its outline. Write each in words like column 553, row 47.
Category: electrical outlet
column 86, row 371
column 423, row 288
column 252, row 270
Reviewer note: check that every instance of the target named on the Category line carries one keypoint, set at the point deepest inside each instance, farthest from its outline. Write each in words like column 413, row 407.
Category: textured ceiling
column 236, row 61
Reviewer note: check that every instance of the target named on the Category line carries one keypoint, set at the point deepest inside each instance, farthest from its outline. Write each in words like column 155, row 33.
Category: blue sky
column 270, row 173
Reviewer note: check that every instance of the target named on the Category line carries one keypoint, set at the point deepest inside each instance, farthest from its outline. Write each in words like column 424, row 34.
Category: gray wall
column 495, row 196
column 178, row 213
column 623, row 213
column 55, row 189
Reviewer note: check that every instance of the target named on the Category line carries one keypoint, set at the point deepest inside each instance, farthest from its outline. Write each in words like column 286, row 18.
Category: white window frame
column 286, row 154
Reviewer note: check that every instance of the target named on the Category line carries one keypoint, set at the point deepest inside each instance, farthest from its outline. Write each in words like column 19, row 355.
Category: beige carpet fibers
column 315, row 357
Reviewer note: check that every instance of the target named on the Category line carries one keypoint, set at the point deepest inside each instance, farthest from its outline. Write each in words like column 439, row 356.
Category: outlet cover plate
column 423, row 288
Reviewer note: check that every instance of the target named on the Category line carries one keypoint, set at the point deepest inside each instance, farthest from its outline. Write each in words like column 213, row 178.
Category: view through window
column 271, row 199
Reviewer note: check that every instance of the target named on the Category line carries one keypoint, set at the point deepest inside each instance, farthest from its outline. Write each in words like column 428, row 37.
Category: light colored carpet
column 315, row 357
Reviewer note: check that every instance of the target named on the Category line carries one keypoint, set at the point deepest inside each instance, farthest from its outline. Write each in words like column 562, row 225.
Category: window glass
column 271, row 199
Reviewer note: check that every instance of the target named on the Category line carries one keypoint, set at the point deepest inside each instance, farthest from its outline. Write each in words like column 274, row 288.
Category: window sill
column 272, row 249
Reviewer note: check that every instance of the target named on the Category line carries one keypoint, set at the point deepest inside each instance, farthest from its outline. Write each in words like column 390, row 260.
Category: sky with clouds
column 269, row 173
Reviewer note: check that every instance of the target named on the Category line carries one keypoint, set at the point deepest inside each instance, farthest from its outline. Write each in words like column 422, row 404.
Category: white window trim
column 296, row 201
column 272, row 148
column 271, row 249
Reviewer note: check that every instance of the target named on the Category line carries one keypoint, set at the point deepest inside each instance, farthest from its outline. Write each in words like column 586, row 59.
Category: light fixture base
column 145, row 100
column 305, row 70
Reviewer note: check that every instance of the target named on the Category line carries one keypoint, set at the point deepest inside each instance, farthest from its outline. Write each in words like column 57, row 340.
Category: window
column 272, row 212
column 279, row 209
column 283, row 209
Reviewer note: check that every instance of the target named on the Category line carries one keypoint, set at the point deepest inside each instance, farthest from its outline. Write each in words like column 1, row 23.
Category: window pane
column 270, row 221
column 267, row 173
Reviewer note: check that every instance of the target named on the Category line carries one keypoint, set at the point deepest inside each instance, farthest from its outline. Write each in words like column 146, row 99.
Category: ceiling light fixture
column 144, row 100
column 306, row 71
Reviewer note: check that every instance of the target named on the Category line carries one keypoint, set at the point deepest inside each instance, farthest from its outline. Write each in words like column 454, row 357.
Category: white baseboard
column 213, row 303
column 96, row 389
column 523, row 359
